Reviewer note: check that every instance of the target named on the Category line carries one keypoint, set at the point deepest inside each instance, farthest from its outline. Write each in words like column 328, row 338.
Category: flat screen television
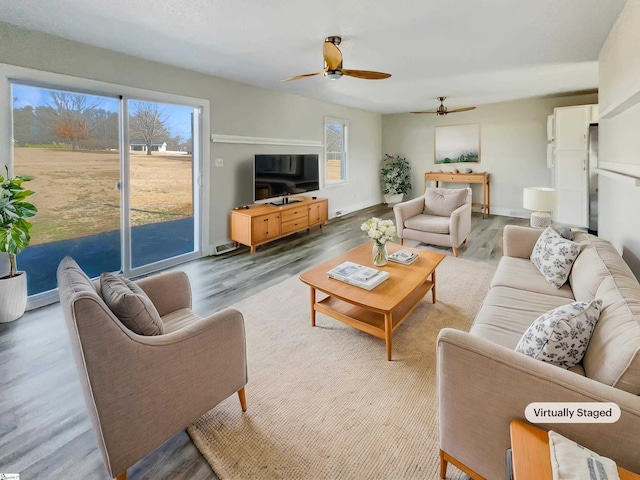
column 282, row 175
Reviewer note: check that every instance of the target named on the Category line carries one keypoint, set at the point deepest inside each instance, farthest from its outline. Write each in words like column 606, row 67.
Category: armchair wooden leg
column 445, row 459
column 443, row 465
column 122, row 476
column 455, row 252
column 243, row 401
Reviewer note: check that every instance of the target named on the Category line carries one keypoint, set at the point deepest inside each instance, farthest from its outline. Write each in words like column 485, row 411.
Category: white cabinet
column 571, row 163
column 572, row 127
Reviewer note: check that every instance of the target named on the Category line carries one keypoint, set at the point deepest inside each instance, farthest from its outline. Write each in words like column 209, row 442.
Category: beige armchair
column 141, row 390
column 441, row 216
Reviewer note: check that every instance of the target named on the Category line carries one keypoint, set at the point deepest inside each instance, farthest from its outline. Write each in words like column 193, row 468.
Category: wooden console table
column 531, row 456
column 465, row 178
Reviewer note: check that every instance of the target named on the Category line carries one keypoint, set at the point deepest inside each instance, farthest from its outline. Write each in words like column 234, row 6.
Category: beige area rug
column 324, row 403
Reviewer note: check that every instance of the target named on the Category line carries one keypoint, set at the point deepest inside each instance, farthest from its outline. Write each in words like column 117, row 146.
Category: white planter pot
column 392, row 198
column 13, row 297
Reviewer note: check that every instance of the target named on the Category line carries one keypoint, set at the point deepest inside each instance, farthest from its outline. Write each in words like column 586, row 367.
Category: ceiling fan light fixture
column 333, row 74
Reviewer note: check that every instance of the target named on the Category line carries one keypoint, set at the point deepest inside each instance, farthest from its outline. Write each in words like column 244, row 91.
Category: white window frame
column 345, row 165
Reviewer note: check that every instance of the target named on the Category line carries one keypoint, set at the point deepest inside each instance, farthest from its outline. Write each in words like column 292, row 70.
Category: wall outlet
column 219, row 162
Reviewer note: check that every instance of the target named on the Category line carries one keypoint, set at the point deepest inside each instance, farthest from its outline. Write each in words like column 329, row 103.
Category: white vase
column 380, row 254
column 13, row 297
column 392, row 198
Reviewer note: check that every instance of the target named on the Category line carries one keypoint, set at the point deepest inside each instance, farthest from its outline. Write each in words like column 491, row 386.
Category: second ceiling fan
column 333, row 65
column 442, row 110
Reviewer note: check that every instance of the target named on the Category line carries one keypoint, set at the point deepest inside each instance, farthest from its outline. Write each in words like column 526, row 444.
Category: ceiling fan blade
column 366, row 74
column 465, row 109
column 424, row 112
column 332, row 55
column 298, row 77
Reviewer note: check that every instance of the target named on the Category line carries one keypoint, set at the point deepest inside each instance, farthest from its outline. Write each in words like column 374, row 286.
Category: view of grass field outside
column 68, row 144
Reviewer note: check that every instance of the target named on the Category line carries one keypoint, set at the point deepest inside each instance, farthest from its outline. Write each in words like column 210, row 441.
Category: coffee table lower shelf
column 368, row 320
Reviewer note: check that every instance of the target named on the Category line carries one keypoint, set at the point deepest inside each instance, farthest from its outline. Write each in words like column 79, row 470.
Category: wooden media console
column 260, row 224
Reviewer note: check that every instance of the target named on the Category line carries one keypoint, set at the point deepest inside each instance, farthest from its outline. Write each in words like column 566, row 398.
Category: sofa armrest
column 168, row 291
column 406, row 210
column 482, row 386
column 518, row 241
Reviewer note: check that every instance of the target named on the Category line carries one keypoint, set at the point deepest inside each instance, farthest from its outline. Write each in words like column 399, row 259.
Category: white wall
column 236, row 109
column 619, row 72
column 513, row 143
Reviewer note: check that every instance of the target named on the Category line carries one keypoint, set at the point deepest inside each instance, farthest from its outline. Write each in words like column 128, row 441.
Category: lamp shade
column 539, row 199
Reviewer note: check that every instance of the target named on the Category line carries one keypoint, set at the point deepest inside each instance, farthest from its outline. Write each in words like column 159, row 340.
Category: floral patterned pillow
column 554, row 256
column 561, row 336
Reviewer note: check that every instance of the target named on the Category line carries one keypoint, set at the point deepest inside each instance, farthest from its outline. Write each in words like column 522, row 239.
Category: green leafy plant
column 14, row 211
column 395, row 175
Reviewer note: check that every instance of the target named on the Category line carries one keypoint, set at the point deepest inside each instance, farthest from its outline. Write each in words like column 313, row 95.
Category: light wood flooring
column 45, row 431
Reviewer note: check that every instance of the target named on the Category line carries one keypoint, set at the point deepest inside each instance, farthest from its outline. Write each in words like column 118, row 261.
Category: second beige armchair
column 442, row 216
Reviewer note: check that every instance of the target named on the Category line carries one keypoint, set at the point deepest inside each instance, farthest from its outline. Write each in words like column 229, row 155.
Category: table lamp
column 542, row 201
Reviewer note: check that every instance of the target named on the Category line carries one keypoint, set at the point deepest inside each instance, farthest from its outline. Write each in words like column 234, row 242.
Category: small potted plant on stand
column 14, row 237
column 395, row 178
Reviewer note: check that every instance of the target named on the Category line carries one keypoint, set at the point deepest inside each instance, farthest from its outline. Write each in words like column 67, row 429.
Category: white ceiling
column 472, row 51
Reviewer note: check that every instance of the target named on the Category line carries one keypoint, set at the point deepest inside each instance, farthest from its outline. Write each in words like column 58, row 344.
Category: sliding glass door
column 68, row 143
column 161, row 173
column 115, row 181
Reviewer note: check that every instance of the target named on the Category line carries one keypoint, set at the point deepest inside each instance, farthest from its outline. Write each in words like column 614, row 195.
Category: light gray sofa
column 483, row 383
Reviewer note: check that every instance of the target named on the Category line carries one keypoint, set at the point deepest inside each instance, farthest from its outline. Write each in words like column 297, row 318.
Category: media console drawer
column 260, row 224
column 295, row 213
column 295, row 225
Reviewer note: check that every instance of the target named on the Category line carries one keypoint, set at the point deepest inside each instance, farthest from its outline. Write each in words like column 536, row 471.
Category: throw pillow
column 443, row 201
column 131, row 305
column 554, row 256
column 570, row 460
column 565, row 232
column 561, row 335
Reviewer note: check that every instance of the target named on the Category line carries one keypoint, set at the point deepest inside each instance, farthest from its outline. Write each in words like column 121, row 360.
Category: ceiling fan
column 442, row 110
column 333, row 65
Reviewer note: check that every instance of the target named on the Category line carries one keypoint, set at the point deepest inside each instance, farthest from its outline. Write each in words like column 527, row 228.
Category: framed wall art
column 457, row 144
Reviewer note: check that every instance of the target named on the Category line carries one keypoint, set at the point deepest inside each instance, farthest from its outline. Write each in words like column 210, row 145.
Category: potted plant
column 14, row 237
column 395, row 178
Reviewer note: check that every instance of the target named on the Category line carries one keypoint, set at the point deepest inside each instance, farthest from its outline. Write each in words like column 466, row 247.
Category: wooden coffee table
column 380, row 311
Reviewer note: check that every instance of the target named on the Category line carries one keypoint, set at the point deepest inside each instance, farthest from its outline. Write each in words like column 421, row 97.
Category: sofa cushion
column 130, row 304
column 428, row 223
column 561, row 336
column 507, row 313
column 520, row 273
column 443, row 201
column 554, row 256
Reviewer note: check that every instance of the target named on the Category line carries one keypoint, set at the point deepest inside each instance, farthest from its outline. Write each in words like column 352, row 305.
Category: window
column 336, row 142
column 106, row 192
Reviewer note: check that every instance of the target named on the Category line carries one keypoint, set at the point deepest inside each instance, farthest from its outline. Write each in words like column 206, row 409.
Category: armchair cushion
column 443, row 201
column 428, row 223
column 131, row 305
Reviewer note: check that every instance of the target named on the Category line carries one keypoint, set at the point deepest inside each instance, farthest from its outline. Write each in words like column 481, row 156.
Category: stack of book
column 403, row 256
column 358, row 275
